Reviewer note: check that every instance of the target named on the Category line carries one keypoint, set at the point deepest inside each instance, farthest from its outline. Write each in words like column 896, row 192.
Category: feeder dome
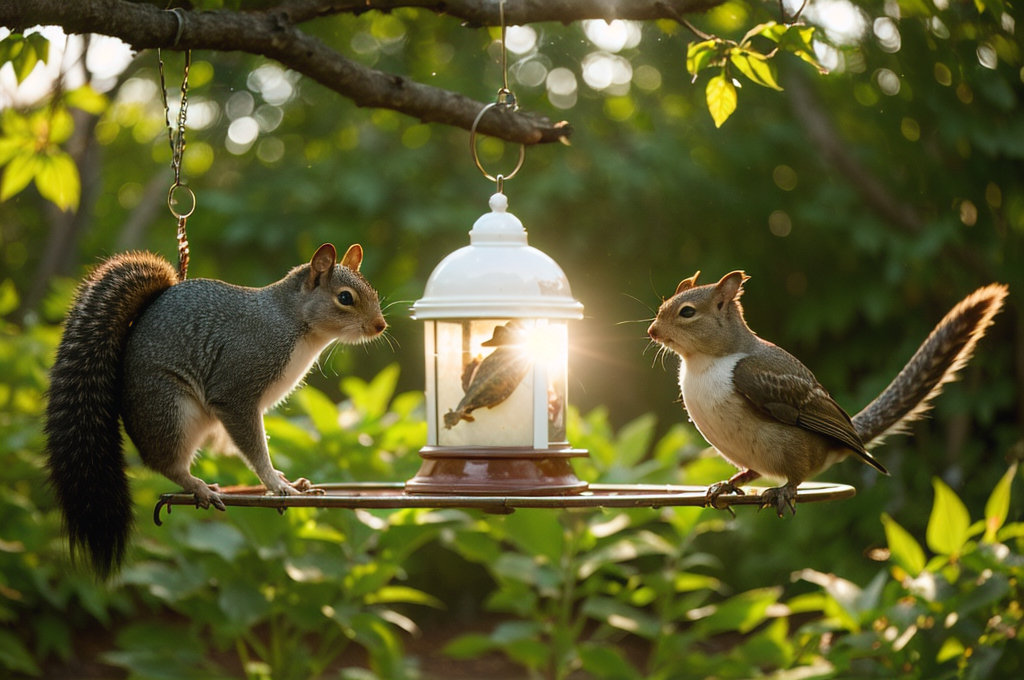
column 497, row 276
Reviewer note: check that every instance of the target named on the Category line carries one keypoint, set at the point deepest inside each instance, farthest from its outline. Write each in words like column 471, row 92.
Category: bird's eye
column 687, row 311
column 345, row 298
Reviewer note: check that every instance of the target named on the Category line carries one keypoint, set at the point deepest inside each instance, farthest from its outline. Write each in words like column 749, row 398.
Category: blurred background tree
column 864, row 203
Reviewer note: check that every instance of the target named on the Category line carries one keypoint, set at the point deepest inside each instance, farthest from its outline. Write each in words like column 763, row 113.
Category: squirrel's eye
column 687, row 311
column 345, row 298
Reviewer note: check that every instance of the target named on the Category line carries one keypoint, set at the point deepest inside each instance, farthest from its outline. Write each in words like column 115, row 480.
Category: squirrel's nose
column 380, row 324
column 652, row 331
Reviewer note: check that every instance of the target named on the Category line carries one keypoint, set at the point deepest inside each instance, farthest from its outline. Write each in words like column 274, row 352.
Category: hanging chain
column 180, row 198
column 507, row 100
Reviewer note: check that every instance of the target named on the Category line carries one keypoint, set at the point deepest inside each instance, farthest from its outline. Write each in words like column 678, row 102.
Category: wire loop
column 506, row 99
column 181, row 200
column 476, row 157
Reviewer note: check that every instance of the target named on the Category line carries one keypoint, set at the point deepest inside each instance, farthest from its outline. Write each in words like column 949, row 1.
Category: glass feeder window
column 499, row 382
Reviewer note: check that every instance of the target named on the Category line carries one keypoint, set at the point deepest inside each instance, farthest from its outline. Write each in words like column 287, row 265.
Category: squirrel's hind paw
column 299, row 486
column 305, row 486
column 207, row 495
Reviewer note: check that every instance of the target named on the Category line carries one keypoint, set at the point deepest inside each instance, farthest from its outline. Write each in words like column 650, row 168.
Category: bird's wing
column 788, row 392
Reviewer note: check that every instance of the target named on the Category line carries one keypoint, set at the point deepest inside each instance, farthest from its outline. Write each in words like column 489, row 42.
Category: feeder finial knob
column 499, row 203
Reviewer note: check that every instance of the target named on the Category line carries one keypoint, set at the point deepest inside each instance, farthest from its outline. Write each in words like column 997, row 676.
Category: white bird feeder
column 497, row 352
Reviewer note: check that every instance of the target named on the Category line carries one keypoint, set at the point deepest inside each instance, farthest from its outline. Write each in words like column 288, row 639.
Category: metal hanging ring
column 476, row 157
column 181, row 195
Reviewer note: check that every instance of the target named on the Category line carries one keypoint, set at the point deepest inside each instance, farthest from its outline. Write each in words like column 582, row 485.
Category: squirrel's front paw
column 283, row 488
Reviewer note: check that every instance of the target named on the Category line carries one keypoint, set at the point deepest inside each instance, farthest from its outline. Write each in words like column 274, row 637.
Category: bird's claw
column 780, row 498
column 711, row 498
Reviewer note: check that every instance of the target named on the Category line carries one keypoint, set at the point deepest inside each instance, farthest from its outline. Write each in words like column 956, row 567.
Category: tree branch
column 273, row 33
column 517, row 12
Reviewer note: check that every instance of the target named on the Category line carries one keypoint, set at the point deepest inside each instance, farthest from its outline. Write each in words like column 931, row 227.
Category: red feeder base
column 512, row 471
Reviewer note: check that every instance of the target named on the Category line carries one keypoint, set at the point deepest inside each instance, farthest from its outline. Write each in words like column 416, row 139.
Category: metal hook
column 476, row 157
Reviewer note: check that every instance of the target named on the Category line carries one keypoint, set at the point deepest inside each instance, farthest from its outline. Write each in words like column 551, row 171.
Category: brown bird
column 765, row 412
column 489, row 382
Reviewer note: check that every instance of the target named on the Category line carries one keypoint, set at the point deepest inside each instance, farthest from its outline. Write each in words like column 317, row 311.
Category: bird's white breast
column 717, row 410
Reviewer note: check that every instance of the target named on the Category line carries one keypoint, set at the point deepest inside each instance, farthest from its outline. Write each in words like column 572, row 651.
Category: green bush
column 956, row 614
column 616, row 594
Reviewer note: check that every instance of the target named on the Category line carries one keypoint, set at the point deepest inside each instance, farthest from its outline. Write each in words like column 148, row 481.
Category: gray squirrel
column 765, row 412
column 181, row 364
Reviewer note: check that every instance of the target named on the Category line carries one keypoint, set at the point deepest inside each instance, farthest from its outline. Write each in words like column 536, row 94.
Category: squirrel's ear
column 687, row 284
column 729, row 287
column 353, row 257
column 323, row 259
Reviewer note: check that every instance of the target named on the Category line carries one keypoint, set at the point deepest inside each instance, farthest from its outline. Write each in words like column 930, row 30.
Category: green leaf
column 998, row 505
column 18, row 173
column 41, row 45
column 57, row 180
column 55, row 124
column 904, row 550
column 469, row 646
column 372, row 398
column 214, row 537
column 741, row 613
column 914, row 8
column 16, row 124
column 949, row 523
column 721, row 96
column 634, row 440
column 161, row 651
column 688, row 583
column 772, row 30
column 14, row 656
column 10, row 46
column 622, row 616
column 700, row 54
column 537, row 533
column 403, row 594
column 513, row 631
column 605, row 661
column 321, row 410
column 53, row 636
column 87, row 99
column 1011, row 531
column 242, row 603
column 25, row 62
column 530, row 653
column 755, row 66
column 11, row 146
column 951, row 648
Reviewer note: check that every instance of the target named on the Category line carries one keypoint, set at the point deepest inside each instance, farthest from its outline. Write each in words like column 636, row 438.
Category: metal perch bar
column 374, row 495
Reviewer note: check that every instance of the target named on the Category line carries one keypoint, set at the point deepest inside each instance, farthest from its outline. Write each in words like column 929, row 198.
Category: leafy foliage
column 959, row 616
column 648, row 193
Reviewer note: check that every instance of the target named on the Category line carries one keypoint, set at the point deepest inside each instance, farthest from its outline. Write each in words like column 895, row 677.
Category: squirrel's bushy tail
column 935, row 363
column 86, row 461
